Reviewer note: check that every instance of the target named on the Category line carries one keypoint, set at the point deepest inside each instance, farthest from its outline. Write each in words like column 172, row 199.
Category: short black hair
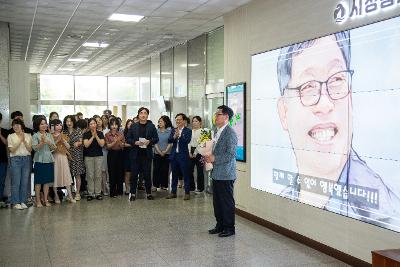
column 79, row 114
column 197, row 118
column 52, row 113
column 143, row 108
column 226, row 111
column 16, row 114
column 184, row 117
column 81, row 124
column 112, row 121
column 166, row 120
column 126, row 129
column 55, row 122
column 1, row 116
column 37, row 122
column 18, row 121
column 92, row 119
column 72, row 118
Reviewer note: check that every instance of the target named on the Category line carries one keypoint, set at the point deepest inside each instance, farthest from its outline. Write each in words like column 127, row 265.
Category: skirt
column 43, row 173
column 62, row 174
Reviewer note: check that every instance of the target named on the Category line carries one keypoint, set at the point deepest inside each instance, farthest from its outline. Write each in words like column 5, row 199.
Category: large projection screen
column 326, row 123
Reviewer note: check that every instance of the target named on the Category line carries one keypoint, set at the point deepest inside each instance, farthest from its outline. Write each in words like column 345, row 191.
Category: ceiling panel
column 53, row 40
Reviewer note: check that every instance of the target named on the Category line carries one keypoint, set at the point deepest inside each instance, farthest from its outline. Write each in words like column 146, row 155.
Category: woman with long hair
column 195, row 157
column 76, row 163
column 62, row 173
column 127, row 163
column 102, row 125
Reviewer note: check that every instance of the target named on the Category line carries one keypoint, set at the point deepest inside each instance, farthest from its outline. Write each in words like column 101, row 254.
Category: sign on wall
column 355, row 9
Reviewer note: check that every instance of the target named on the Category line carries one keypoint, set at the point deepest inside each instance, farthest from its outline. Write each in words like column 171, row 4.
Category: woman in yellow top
column 62, row 173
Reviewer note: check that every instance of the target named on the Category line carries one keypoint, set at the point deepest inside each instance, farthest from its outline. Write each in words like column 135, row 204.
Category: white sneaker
column 18, row 207
column 24, row 206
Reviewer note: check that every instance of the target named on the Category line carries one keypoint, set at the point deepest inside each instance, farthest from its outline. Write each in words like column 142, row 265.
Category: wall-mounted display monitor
column 325, row 125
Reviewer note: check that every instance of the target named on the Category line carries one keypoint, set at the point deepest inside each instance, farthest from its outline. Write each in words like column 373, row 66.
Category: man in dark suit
column 224, row 173
column 142, row 136
column 180, row 138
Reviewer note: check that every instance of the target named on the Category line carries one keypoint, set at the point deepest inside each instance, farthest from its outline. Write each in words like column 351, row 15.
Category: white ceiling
column 48, row 32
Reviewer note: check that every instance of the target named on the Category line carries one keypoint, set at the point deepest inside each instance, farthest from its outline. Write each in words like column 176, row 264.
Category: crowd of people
column 96, row 157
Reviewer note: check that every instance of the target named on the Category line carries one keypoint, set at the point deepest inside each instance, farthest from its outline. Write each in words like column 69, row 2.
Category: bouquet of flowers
column 205, row 147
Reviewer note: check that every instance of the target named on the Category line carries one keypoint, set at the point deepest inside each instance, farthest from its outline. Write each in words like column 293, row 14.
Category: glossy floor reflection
column 115, row 232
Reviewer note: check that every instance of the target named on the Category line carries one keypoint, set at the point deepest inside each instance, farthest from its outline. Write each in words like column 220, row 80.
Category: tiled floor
column 115, row 232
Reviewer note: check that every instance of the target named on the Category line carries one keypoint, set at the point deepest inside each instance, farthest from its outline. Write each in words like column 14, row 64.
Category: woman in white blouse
column 20, row 147
column 195, row 157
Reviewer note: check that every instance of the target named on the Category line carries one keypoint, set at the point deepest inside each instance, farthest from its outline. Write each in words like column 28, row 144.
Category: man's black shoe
column 214, row 231
column 150, row 197
column 226, row 233
column 89, row 198
column 132, row 197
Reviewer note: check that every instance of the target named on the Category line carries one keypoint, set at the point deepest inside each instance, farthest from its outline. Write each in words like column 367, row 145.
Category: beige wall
column 268, row 24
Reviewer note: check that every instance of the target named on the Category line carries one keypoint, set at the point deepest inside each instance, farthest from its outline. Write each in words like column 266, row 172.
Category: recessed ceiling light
column 95, row 44
column 78, row 59
column 61, row 55
column 66, row 69
column 125, row 17
column 75, row 36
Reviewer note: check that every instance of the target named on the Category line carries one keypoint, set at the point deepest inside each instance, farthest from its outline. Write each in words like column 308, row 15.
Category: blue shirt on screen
column 356, row 172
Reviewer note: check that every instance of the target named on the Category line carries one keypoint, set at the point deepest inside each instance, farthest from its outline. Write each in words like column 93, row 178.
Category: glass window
column 123, row 89
column 89, row 111
column 215, row 56
column 196, row 75
column 166, row 72
column 56, row 87
column 62, row 110
column 155, row 77
column 143, row 72
column 93, row 88
column 180, row 71
column 145, row 88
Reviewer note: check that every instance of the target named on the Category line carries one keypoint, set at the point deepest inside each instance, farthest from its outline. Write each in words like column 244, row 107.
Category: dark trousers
column 195, row 162
column 115, row 164
column 160, row 171
column 83, row 183
column 3, row 175
column 224, row 204
column 141, row 164
column 180, row 165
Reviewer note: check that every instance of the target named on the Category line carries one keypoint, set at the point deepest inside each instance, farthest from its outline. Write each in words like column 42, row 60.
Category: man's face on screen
column 320, row 133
